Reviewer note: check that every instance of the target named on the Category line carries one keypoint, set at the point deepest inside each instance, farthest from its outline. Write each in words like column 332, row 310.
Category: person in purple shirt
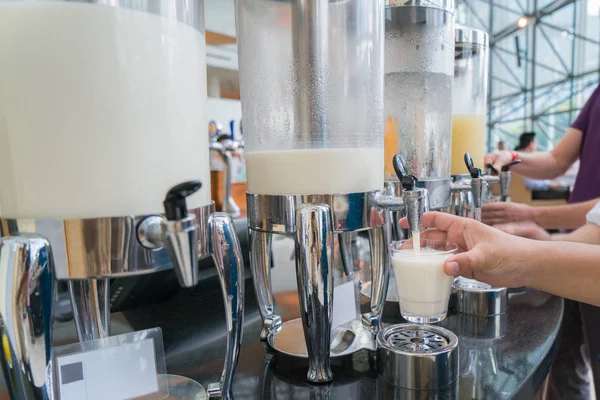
column 579, row 347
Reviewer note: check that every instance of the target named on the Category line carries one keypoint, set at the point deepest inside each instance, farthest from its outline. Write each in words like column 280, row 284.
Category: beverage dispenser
column 468, row 145
column 311, row 79
column 419, row 53
column 469, row 97
column 104, row 168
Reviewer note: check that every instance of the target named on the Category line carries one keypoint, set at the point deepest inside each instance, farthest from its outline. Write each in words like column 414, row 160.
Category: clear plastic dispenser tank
column 419, row 61
column 311, row 119
column 136, row 113
column 469, row 102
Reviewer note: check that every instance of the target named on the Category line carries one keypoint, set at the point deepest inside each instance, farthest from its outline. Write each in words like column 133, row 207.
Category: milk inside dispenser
column 311, row 78
column 104, row 169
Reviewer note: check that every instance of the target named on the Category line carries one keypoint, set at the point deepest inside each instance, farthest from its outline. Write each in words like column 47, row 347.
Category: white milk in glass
column 102, row 110
column 423, row 287
column 315, row 171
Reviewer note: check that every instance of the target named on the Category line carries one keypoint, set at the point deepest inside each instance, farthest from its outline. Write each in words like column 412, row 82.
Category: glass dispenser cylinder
column 101, row 122
column 311, row 80
column 419, row 47
column 469, row 103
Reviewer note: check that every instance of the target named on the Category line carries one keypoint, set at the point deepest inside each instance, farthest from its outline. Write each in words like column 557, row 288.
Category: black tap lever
column 491, row 167
column 506, row 168
column 474, row 172
column 409, row 182
column 175, row 205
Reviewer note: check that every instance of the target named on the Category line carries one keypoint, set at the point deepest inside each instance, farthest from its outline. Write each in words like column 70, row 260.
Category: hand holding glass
column 423, row 287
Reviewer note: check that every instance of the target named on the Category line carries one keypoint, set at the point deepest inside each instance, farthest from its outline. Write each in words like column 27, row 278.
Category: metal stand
column 227, row 254
column 91, row 308
column 313, row 220
column 30, row 264
column 314, row 273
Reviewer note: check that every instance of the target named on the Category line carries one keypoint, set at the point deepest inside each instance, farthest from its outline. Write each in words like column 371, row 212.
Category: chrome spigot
column 479, row 186
column 415, row 199
column 505, row 176
column 225, row 146
column 176, row 232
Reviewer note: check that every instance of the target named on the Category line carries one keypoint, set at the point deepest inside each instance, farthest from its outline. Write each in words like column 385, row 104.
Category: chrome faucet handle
column 227, row 255
column 180, row 233
column 27, row 284
column 314, row 273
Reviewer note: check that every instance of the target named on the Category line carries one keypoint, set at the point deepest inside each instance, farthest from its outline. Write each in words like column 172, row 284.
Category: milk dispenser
column 311, row 78
column 104, row 168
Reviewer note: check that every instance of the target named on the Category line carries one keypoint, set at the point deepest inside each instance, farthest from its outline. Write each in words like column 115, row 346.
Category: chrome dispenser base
column 417, row 357
column 344, row 341
column 314, row 219
column 480, row 299
column 89, row 252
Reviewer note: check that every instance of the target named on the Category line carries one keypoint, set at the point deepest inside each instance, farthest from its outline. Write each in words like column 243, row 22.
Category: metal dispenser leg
column 345, row 241
column 260, row 267
column 27, row 285
column 314, row 272
column 380, row 276
column 91, row 308
column 227, row 254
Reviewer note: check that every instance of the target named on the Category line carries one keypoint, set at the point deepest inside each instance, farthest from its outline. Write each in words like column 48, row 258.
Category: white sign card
column 116, row 368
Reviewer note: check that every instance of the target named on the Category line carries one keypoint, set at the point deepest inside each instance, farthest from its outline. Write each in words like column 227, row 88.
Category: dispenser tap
column 505, row 176
column 415, row 199
column 226, row 146
column 479, row 186
column 177, row 233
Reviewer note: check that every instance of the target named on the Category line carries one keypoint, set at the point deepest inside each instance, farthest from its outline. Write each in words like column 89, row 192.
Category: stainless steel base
column 103, row 247
column 480, row 299
column 344, row 340
column 314, row 220
column 418, row 357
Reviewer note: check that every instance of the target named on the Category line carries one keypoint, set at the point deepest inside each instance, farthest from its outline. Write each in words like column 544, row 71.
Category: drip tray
column 417, row 357
column 345, row 340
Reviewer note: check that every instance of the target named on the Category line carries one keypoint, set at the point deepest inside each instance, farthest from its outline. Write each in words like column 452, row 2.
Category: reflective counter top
column 499, row 358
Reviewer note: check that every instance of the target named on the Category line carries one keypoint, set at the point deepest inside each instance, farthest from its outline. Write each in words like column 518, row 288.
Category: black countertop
column 511, row 366
column 495, row 363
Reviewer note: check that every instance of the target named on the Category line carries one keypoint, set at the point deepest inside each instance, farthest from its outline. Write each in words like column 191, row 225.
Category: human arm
column 489, row 255
column 568, row 216
column 544, row 164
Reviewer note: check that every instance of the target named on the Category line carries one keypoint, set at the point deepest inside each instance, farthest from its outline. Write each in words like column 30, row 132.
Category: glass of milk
column 423, row 287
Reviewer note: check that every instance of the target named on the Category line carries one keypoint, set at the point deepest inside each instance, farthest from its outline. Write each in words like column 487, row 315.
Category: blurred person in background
column 500, row 145
column 528, row 144
column 578, row 348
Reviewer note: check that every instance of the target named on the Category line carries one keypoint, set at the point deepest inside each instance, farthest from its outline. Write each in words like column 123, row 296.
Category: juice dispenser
column 104, row 168
column 469, row 97
column 311, row 79
column 468, row 146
